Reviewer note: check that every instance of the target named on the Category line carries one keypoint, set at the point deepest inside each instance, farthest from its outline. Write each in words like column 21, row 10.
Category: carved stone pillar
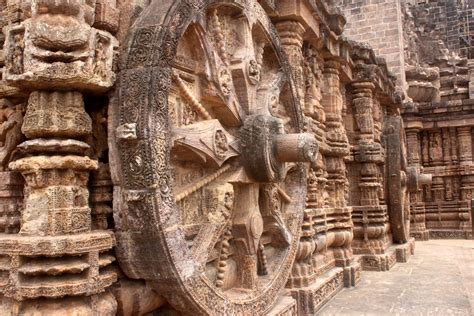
column 11, row 183
column 363, row 104
column 324, row 261
column 465, row 145
column 332, row 101
column 313, row 83
column 436, row 148
column 56, row 213
column 57, row 263
column 11, row 201
column 101, row 197
column 434, row 212
column 370, row 217
column 314, row 256
column 369, row 154
column 417, row 206
column 454, row 145
column 446, row 146
column 438, row 189
column 425, row 147
column 291, row 35
column 369, row 185
column 304, row 270
column 413, row 141
column 467, row 190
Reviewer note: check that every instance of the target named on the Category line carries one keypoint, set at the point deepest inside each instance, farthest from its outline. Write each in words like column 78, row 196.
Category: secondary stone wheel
column 398, row 173
column 401, row 179
column 208, row 153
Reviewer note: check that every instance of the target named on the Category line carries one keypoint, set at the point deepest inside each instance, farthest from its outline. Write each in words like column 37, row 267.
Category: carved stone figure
column 11, row 119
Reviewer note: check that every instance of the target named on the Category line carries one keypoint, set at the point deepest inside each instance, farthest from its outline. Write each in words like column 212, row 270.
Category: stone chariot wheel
column 401, row 179
column 208, row 157
column 398, row 177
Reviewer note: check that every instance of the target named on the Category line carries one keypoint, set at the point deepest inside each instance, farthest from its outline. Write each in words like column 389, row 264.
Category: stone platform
column 449, row 234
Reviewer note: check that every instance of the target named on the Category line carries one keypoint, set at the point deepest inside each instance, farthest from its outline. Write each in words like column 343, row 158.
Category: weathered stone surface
column 438, row 120
column 250, row 159
column 11, row 118
column 55, row 45
column 56, row 263
column 230, row 258
column 11, row 201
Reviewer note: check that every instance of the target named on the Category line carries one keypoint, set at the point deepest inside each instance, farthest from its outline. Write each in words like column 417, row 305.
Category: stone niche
column 225, row 158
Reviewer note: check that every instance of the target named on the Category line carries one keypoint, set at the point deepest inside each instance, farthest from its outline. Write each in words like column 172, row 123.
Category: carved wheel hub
column 210, row 174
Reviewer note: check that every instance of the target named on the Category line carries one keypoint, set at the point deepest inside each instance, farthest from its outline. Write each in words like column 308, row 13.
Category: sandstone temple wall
column 378, row 23
column 450, row 21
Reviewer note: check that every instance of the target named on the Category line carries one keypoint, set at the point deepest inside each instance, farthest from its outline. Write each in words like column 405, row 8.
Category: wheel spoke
column 205, row 142
column 247, row 228
column 193, row 101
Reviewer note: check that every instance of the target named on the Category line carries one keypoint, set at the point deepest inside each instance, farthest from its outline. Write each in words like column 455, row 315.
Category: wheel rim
column 397, row 172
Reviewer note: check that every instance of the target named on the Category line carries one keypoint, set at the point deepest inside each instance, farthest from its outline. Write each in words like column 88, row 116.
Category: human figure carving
column 98, row 139
column 16, row 66
column 100, row 67
column 11, row 119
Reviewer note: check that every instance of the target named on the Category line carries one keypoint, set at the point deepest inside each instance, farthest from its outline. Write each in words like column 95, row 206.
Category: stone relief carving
column 40, row 50
column 244, row 155
column 11, row 119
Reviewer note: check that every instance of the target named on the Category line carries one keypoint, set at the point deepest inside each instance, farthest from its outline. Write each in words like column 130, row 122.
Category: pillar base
column 56, row 267
column 384, row 262
column 311, row 298
column 286, row 306
column 352, row 274
column 449, row 234
column 405, row 251
column 420, row 235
